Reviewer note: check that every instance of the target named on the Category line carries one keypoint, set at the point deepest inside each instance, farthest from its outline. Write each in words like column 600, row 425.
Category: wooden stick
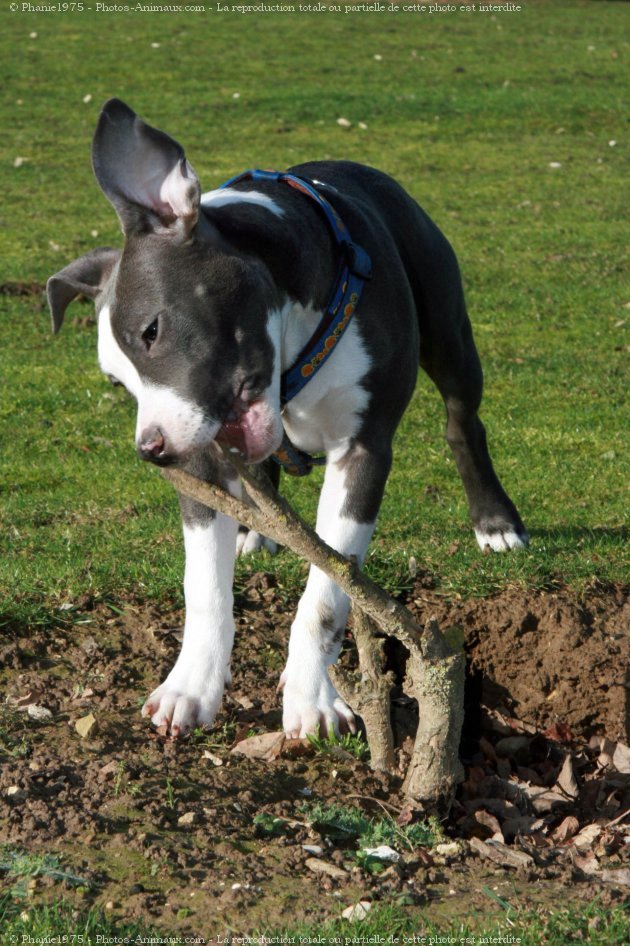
column 435, row 671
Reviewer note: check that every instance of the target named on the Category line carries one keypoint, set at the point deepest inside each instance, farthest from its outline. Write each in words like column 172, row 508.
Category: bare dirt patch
column 169, row 831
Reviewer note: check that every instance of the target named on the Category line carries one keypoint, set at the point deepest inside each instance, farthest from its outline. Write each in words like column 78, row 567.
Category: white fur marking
column 500, row 541
column 309, row 696
column 248, row 543
column 327, row 412
column 192, row 692
column 183, row 423
column 223, row 196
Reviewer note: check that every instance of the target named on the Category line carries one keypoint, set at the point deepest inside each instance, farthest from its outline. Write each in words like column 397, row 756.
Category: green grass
column 22, row 922
column 469, row 113
column 355, row 746
column 349, row 825
column 395, row 925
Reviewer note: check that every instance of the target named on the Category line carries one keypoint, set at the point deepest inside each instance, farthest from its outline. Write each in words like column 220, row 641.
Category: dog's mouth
column 251, row 428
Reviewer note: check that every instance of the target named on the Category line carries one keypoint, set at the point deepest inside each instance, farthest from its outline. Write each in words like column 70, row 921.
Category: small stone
column 323, row 867
column 344, row 123
column 314, row 849
column 357, row 912
column 510, row 745
column 15, row 793
column 448, row 849
column 215, row 759
column 86, row 726
column 383, row 853
column 187, row 820
column 39, row 713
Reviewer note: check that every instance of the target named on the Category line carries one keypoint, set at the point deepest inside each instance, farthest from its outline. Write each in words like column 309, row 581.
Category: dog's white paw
column 312, row 705
column 501, row 540
column 182, row 705
column 248, row 542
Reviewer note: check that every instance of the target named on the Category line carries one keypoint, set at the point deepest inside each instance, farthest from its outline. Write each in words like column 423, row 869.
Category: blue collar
column 355, row 268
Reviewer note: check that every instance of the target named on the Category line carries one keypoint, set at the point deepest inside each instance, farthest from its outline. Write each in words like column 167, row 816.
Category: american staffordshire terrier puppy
column 215, row 305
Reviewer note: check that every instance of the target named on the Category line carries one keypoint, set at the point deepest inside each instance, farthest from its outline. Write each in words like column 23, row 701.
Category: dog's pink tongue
column 251, row 434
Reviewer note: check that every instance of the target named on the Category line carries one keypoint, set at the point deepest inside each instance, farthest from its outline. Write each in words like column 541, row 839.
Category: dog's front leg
column 191, row 694
column 349, row 501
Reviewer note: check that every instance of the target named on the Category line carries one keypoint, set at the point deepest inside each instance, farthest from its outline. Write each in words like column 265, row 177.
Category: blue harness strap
column 355, row 268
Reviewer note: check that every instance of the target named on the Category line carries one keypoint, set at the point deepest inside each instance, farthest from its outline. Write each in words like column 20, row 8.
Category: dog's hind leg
column 450, row 359
column 247, row 540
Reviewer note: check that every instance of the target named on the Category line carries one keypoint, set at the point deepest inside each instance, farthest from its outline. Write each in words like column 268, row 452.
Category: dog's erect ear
column 86, row 275
column 144, row 173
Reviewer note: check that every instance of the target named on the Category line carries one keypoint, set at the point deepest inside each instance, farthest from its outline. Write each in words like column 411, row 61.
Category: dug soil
column 194, row 837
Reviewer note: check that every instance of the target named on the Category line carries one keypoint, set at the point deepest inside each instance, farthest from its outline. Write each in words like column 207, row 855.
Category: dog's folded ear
column 144, row 173
column 85, row 276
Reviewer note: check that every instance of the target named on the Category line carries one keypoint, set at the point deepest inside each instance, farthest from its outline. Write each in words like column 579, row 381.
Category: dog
column 203, row 315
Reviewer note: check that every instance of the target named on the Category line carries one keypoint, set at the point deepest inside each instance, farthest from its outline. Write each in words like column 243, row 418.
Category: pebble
column 510, row 745
column 357, row 912
column 85, row 725
column 190, row 818
column 448, row 849
column 313, row 849
column 383, row 853
column 39, row 713
column 323, row 867
column 16, row 794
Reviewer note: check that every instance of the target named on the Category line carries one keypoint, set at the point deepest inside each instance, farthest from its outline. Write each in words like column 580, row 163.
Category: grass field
column 472, row 114
column 508, row 128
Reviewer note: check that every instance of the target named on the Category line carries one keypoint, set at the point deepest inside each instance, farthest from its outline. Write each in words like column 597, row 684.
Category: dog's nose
column 152, row 445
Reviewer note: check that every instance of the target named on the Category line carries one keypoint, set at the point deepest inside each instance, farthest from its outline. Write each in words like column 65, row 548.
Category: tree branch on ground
column 435, row 668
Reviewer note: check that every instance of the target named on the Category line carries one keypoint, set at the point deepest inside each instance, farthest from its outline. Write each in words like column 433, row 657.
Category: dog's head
column 184, row 323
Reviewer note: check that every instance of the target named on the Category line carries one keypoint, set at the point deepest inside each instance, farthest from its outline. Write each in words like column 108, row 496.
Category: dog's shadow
column 567, row 534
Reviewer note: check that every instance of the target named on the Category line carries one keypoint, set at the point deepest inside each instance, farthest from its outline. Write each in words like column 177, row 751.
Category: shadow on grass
column 563, row 535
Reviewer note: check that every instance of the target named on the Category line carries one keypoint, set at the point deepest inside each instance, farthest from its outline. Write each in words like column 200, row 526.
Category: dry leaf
column 490, row 822
column 559, row 732
column 621, row 758
column 619, row 877
column 586, row 837
column 406, row 816
column 566, row 829
column 566, row 780
column 110, row 769
column 501, row 854
column 265, row 747
column 525, row 825
column 587, row 863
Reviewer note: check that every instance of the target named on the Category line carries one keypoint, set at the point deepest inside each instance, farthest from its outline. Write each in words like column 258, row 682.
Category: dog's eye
column 150, row 333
